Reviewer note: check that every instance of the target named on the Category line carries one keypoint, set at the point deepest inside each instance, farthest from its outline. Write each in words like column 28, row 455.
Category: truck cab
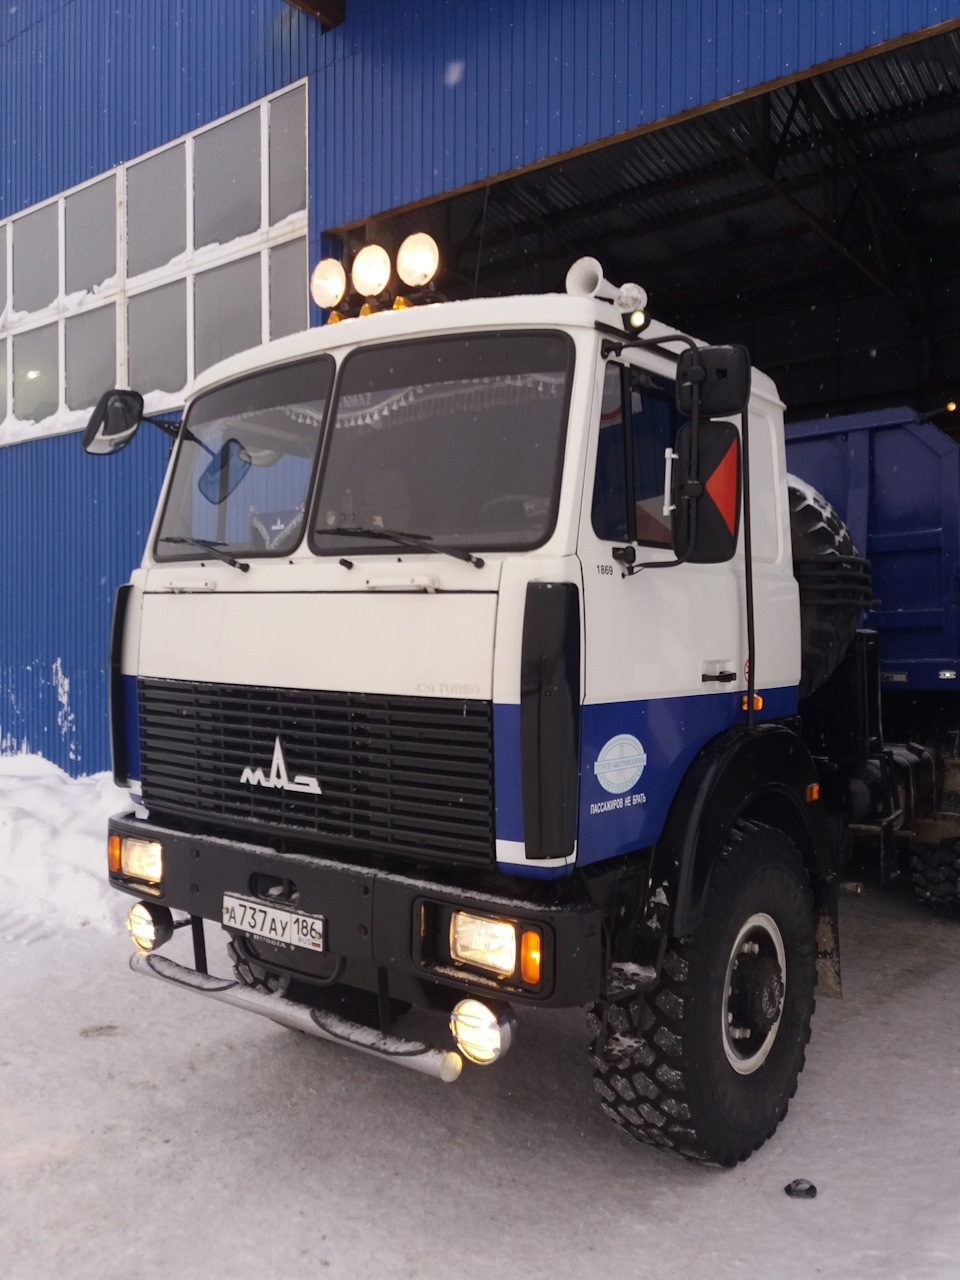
column 428, row 694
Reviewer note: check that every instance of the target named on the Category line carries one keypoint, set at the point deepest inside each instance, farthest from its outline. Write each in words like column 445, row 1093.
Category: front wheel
column 707, row 1061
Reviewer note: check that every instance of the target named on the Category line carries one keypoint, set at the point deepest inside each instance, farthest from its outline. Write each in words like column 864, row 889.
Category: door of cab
column 665, row 646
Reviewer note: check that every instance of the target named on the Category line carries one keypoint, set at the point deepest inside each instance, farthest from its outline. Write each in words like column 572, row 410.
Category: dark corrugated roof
column 817, row 222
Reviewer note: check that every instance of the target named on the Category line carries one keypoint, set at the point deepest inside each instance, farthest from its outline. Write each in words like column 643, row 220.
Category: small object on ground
column 801, row 1189
column 852, row 886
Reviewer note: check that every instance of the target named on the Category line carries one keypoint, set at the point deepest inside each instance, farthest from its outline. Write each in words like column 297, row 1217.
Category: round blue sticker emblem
column 620, row 763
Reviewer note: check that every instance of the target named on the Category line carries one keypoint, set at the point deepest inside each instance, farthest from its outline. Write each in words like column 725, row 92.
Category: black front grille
column 410, row 776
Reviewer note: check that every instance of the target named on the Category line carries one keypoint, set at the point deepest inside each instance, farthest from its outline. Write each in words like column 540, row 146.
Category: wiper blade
column 215, row 549
column 420, row 541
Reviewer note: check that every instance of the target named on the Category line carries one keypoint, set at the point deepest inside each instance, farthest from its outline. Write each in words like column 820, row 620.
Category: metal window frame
column 119, row 289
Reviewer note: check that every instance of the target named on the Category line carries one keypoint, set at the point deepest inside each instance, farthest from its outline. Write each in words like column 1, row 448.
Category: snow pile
column 53, row 845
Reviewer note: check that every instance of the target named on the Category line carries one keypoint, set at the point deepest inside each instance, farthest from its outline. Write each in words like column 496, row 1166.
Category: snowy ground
column 146, row 1134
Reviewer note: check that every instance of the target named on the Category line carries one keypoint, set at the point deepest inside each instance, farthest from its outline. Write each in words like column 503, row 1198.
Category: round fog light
column 483, row 1034
column 150, row 926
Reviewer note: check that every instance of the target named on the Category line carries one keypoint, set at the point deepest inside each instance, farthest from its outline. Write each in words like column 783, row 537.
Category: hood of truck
column 411, row 627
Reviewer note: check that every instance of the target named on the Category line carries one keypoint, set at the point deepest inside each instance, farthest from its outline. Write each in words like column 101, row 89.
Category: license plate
column 273, row 924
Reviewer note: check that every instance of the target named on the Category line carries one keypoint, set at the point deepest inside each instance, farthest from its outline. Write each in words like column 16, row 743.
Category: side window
column 653, row 428
column 655, row 421
column 609, row 486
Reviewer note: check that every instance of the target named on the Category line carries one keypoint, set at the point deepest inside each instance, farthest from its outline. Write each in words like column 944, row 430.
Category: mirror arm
column 171, row 429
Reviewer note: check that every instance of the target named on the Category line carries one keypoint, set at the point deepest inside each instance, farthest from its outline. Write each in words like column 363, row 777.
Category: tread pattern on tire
column 642, row 1057
column 826, row 634
column 936, row 876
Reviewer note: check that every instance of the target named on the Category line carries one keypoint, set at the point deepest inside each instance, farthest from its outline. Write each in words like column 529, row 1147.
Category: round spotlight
column 328, row 283
column 483, row 1034
column 371, row 270
column 418, row 259
column 150, row 926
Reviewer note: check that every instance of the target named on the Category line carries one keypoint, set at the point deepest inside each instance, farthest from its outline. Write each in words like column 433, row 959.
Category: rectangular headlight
column 141, row 859
column 488, row 944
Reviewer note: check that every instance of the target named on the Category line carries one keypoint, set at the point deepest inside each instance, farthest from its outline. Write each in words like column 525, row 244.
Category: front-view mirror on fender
column 114, row 422
column 706, row 493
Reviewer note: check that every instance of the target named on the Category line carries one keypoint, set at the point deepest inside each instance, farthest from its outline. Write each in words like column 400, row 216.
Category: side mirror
column 224, row 472
column 114, row 422
column 706, row 516
column 723, row 375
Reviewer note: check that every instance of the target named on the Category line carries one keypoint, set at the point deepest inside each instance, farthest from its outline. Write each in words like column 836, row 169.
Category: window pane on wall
column 35, row 260
column 3, row 378
column 156, row 210
column 227, row 311
column 226, row 181
column 288, row 155
column 91, row 236
column 91, row 356
column 156, row 338
column 3, row 277
column 288, row 288
column 35, row 373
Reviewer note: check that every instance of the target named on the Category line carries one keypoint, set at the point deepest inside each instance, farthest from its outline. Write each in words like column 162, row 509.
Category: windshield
column 243, row 469
column 458, row 441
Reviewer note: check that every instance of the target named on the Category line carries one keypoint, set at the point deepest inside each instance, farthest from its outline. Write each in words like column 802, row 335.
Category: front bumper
column 376, row 921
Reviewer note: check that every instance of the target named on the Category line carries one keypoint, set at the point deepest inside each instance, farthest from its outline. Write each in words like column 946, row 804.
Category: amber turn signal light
column 530, row 949
column 113, row 854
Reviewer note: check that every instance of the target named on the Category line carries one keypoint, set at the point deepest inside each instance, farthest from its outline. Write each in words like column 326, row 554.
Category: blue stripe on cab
column 634, row 755
column 507, row 775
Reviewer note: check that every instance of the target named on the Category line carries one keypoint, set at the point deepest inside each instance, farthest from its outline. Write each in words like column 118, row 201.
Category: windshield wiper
column 215, row 549
column 420, row 541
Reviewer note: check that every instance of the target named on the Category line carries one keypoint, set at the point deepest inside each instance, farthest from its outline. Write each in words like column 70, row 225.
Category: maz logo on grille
column 278, row 777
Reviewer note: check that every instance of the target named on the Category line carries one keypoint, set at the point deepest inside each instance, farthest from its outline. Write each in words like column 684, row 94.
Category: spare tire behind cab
column 834, row 584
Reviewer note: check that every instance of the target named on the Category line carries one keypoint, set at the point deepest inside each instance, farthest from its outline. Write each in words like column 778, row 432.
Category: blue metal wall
column 71, row 529
column 408, row 99
column 543, row 76
column 86, row 84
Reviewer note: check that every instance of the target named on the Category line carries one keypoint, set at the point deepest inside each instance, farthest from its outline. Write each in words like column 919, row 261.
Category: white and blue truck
column 462, row 673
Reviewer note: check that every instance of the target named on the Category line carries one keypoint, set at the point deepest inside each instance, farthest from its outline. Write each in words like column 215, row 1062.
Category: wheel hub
column 755, row 988
column 757, row 993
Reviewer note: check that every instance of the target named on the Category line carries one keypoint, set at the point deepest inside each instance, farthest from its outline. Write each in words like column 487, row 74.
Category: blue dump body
column 895, row 481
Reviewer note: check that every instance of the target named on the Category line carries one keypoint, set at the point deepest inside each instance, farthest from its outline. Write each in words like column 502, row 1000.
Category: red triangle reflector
column 722, row 487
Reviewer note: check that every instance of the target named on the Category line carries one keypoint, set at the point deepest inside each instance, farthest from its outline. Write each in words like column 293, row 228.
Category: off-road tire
column 826, row 632
column 935, row 870
column 249, row 973
column 662, row 1060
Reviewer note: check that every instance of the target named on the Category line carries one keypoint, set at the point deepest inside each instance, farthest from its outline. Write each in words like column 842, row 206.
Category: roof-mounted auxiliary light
column 328, row 283
column 585, row 279
column 418, row 261
column 370, row 272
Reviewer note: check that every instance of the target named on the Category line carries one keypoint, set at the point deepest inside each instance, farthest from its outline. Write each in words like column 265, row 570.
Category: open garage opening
column 814, row 222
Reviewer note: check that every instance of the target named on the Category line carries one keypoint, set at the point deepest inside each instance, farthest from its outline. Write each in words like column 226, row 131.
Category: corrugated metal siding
column 407, row 100
column 87, row 84
column 394, row 124
column 71, row 530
